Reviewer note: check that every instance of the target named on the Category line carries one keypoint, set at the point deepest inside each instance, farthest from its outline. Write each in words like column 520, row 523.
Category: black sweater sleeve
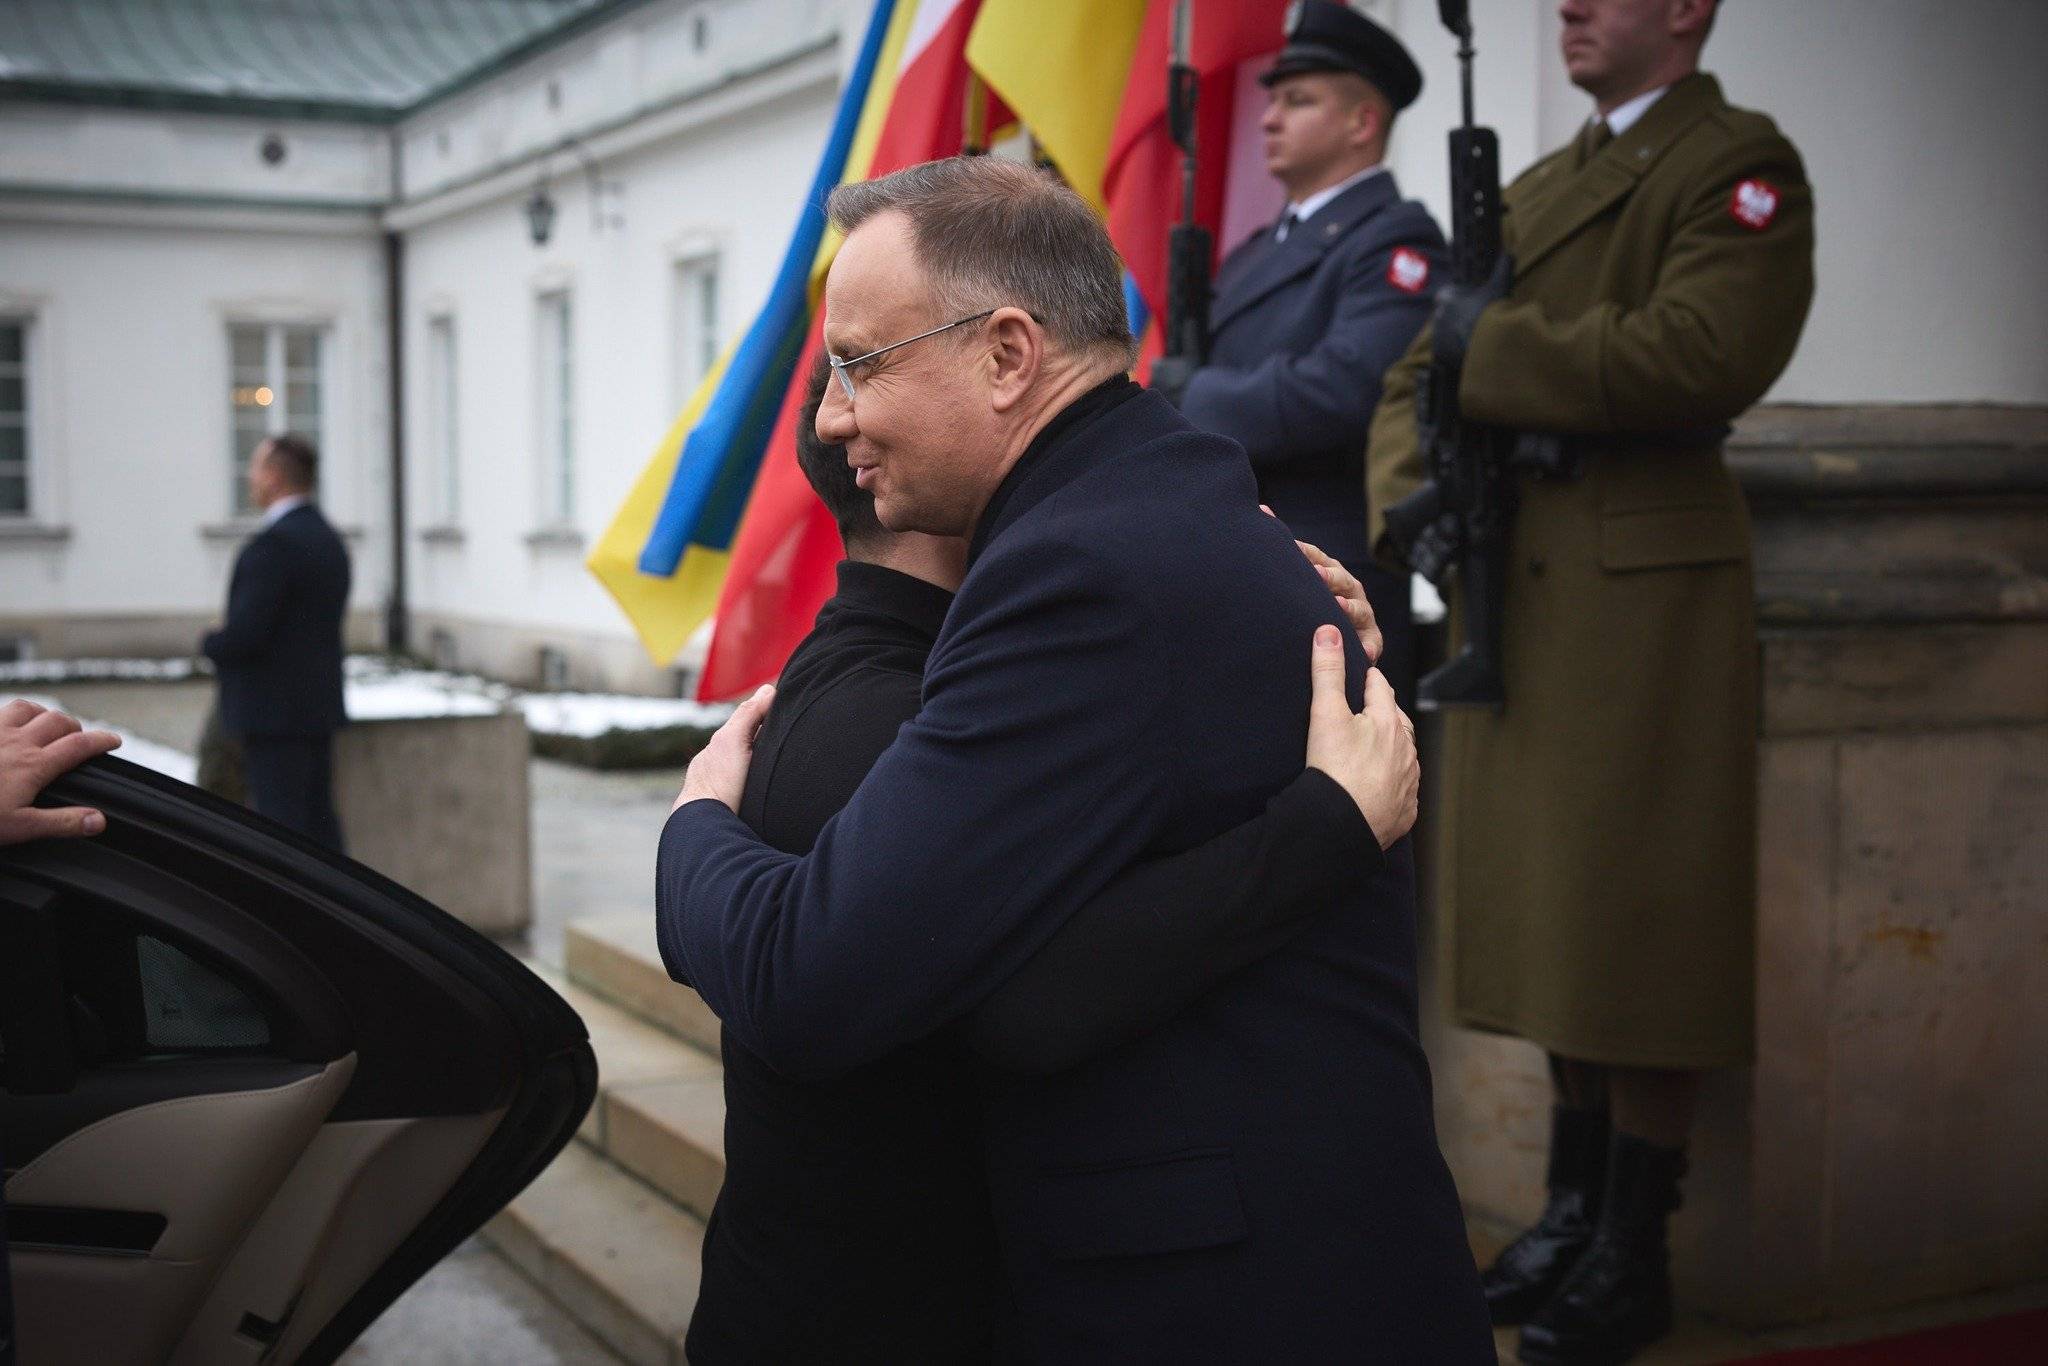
column 1168, row 930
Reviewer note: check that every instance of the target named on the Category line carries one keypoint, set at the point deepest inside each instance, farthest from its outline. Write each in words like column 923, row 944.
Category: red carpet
column 2010, row 1341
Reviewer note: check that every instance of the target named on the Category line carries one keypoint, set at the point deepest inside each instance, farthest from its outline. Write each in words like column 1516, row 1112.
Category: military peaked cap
column 1325, row 36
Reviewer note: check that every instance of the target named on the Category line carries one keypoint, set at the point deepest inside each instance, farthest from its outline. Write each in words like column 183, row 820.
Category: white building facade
column 698, row 128
column 156, row 281
column 178, row 282
column 175, row 282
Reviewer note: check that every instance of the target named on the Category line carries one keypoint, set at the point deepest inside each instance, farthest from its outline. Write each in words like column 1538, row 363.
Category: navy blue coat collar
column 297, row 514
column 1262, row 265
column 1045, row 453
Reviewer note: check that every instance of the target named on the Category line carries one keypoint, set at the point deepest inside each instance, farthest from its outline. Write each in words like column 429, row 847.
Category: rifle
column 1189, row 248
column 1461, row 517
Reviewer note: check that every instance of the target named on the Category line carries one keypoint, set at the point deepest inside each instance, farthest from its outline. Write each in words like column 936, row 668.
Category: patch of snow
column 398, row 696
column 579, row 714
column 377, row 690
column 586, row 715
column 172, row 763
column 96, row 670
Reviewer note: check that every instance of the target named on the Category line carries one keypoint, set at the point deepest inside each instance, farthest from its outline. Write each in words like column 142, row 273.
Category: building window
column 557, row 413
column 553, row 668
column 696, row 324
column 441, row 432
column 14, row 493
column 277, row 388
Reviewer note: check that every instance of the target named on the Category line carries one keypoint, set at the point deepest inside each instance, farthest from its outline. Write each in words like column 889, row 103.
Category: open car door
column 249, row 1090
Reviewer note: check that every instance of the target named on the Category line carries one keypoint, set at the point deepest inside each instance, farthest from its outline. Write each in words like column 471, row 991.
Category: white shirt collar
column 1306, row 209
column 291, row 502
column 1623, row 116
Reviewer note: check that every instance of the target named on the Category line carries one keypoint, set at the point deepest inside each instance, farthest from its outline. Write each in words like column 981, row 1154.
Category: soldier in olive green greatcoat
column 1598, row 843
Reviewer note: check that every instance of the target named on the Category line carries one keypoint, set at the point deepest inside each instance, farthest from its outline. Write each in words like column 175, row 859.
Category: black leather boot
column 1617, row 1300
column 1530, row 1269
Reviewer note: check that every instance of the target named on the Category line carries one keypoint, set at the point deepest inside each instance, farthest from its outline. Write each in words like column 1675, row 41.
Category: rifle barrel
column 1465, row 54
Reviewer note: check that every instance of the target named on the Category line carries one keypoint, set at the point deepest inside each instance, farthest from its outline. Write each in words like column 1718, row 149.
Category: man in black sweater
column 853, row 1225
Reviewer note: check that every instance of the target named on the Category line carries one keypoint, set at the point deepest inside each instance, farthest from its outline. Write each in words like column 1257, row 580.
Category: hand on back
column 720, row 769
column 1370, row 753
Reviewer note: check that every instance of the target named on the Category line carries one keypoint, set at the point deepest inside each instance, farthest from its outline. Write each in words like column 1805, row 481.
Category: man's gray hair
column 990, row 233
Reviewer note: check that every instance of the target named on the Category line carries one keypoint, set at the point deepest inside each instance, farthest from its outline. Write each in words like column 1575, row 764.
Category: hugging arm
column 1170, row 929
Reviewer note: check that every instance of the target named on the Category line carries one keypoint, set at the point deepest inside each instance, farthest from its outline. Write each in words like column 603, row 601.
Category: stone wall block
column 441, row 805
column 1938, row 1088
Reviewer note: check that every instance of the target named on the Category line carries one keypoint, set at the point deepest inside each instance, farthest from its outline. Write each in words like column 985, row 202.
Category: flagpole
column 974, row 117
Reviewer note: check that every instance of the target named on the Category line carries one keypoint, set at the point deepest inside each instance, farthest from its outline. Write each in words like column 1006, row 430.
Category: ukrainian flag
column 664, row 556
column 677, row 550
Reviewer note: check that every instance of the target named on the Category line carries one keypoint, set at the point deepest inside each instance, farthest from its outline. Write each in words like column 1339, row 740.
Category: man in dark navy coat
column 278, row 654
column 1119, row 676
column 1310, row 313
column 853, row 1224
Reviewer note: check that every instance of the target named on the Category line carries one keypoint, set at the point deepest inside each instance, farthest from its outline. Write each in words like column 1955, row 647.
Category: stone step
column 630, row 1052
column 615, row 957
column 615, row 1254
column 671, row 1134
column 660, row 1109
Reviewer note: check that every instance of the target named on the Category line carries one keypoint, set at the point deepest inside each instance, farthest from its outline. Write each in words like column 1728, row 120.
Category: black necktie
column 1288, row 224
column 1596, row 135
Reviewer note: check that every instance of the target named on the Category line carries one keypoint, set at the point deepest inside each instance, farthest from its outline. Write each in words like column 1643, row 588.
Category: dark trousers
column 291, row 780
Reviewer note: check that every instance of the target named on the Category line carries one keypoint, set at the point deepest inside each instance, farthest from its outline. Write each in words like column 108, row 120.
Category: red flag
column 787, row 549
column 1143, row 182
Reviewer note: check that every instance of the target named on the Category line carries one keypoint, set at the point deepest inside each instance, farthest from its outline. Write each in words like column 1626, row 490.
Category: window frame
column 443, row 417
column 277, row 377
column 26, row 418
column 696, row 292
column 555, row 406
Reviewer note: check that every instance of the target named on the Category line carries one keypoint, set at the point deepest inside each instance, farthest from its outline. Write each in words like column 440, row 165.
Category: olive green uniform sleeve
column 1393, row 457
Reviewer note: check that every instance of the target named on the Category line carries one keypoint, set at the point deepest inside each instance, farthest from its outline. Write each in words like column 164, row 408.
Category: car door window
column 188, row 1007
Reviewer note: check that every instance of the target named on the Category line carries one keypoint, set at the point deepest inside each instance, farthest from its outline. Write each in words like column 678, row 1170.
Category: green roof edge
column 335, row 111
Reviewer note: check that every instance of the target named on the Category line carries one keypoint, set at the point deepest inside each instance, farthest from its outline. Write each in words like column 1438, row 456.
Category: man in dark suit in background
column 1118, row 678
column 1309, row 315
column 278, row 654
column 853, row 1223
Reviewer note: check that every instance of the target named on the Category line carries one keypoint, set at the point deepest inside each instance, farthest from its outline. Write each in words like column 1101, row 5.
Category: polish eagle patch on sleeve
column 1408, row 271
column 1754, row 204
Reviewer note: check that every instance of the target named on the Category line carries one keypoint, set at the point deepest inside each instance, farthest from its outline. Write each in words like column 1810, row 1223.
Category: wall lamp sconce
column 540, row 214
column 540, row 210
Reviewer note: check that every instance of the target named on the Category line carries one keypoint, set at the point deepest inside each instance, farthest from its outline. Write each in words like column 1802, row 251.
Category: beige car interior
column 274, row 1218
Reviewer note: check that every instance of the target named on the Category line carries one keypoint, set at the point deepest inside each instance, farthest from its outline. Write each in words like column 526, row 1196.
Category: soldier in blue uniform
column 1310, row 313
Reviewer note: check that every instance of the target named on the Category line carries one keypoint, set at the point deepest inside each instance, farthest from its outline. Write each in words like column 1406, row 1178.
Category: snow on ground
column 384, row 690
column 101, row 670
column 376, row 690
column 588, row 715
column 404, row 696
column 172, row 763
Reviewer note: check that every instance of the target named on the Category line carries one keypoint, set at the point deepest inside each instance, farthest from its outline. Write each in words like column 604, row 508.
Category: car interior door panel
column 249, row 1090
column 359, row 1190
column 206, row 1164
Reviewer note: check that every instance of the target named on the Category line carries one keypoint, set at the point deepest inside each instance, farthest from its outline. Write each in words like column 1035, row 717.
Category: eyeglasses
column 839, row 367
